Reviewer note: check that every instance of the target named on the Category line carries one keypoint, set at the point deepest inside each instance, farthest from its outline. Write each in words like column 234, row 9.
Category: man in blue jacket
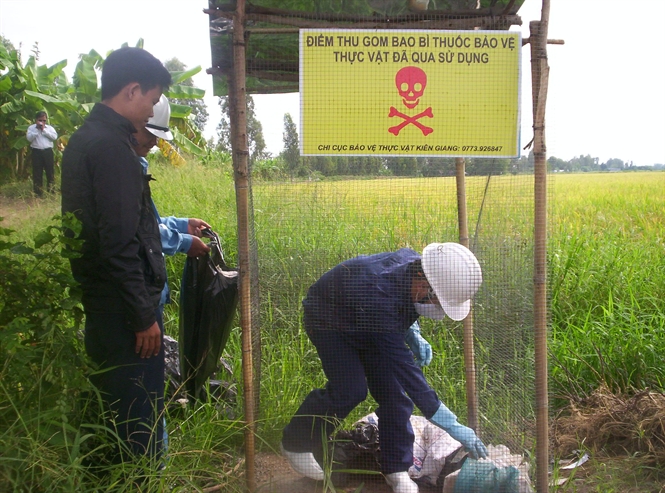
column 121, row 267
column 178, row 234
column 360, row 316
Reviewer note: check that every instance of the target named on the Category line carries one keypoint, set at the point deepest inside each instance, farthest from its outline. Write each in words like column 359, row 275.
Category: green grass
column 611, row 475
column 606, row 278
column 608, row 282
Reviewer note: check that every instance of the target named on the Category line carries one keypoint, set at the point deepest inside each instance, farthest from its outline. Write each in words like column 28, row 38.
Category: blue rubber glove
column 421, row 349
column 444, row 418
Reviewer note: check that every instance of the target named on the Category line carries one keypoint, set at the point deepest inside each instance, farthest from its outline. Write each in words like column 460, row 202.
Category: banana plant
column 186, row 135
column 26, row 89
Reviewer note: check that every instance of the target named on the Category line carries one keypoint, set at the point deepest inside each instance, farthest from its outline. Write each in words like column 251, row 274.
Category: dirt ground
column 274, row 475
column 19, row 211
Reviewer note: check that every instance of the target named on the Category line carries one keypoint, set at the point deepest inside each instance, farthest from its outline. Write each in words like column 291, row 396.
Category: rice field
column 605, row 252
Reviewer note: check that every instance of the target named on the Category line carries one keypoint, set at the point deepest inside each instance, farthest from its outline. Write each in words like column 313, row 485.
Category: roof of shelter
column 273, row 25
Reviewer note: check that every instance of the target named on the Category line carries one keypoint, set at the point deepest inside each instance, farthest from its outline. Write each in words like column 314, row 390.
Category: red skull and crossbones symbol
column 411, row 83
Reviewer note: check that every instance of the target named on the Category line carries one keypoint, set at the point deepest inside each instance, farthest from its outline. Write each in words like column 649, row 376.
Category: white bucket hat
column 455, row 276
column 158, row 125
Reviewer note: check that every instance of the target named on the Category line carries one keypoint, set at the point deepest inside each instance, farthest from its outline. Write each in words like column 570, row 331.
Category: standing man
column 360, row 316
column 41, row 137
column 121, row 267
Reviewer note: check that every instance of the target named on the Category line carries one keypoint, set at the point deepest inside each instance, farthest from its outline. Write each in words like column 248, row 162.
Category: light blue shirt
column 173, row 233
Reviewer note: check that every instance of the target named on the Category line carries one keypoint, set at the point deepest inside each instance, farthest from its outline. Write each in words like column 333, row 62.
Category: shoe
column 303, row 463
column 400, row 482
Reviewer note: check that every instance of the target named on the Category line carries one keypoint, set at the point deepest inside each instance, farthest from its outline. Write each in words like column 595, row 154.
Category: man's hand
column 197, row 248
column 195, row 226
column 149, row 342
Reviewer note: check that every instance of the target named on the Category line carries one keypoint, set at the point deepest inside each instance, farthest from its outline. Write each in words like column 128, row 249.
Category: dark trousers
column 42, row 162
column 355, row 361
column 132, row 387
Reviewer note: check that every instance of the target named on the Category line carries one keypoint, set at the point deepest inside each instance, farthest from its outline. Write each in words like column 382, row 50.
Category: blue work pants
column 355, row 361
column 132, row 387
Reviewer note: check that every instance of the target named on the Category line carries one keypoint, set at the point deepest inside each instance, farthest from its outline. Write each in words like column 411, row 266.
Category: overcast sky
column 606, row 94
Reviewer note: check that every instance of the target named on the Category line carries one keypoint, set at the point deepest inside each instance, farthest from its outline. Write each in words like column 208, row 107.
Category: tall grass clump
column 42, row 372
column 53, row 434
column 607, row 278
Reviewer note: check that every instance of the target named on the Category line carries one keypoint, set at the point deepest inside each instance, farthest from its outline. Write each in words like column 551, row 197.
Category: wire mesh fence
column 341, row 264
column 305, row 229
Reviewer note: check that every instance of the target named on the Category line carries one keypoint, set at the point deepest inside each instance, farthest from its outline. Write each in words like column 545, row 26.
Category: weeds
column 606, row 274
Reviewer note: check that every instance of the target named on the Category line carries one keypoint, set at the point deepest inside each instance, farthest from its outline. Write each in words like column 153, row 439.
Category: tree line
column 290, row 164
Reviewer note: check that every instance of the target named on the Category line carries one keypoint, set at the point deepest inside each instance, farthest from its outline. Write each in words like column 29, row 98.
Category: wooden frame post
column 539, row 78
column 469, row 356
column 240, row 154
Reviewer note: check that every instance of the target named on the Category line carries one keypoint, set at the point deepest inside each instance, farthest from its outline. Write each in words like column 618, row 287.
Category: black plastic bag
column 208, row 301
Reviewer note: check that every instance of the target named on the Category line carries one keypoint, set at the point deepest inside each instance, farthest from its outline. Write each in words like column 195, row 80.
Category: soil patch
column 19, row 211
column 274, row 475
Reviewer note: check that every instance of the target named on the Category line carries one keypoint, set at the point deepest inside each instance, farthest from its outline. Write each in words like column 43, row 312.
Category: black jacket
column 121, row 268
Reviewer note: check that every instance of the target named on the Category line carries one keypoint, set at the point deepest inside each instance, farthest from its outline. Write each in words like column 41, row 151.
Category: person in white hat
column 360, row 316
column 178, row 235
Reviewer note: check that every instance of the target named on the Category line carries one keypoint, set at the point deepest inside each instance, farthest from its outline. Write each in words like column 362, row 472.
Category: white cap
column 455, row 276
column 158, row 125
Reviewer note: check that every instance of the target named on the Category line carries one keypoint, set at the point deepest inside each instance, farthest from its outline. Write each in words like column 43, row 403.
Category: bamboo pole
column 240, row 152
column 526, row 41
column 467, row 324
column 252, row 12
column 539, row 76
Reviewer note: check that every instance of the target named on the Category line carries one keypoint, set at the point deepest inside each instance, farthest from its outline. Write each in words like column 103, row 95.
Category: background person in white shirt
column 41, row 137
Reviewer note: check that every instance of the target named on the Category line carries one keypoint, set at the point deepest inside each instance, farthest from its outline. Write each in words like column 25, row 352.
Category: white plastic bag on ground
column 431, row 447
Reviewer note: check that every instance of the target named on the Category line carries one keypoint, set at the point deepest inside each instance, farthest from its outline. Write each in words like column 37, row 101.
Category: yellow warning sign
column 410, row 92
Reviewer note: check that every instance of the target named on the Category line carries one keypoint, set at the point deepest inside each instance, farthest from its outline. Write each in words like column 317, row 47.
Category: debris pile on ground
column 612, row 424
column 437, row 459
